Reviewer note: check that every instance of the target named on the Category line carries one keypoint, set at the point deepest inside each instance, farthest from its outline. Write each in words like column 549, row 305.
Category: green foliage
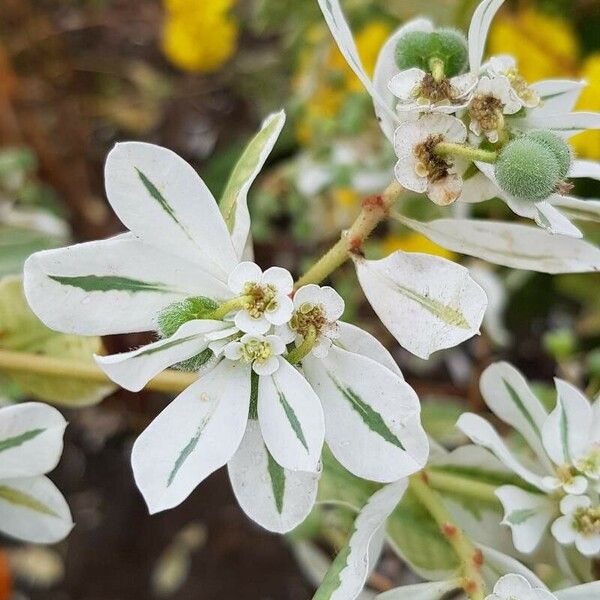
column 178, row 313
column 419, row 48
column 21, row 330
column 558, row 147
column 528, row 170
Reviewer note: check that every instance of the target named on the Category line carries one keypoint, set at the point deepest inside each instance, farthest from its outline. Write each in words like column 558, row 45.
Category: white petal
column 453, row 129
column 268, row 367
column 404, row 83
column 277, row 344
column 160, row 198
column 428, row 303
column 577, row 485
column 245, row 272
column 193, row 436
column 247, row 323
column 276, row 498
column 569, row 504
column 321, row 347
column 234, row 202
column 567, row 430
column 355, row 339
column 557, row 95
column 291, row 419
column 566, row 125
column 232, row 351
column 577, row 208
column 480, row 432
column 33, row 509
column 478, row 31
column 446, row 190
column 562, row 530
column 509, row 396
column 111, row 286
column 280, row 278
column 528, row 515
column 333, row 303
column 282, row 313
column 512, row 585
column 372, row 421
column 133, row 370
column 407, row 176
column 310, row 294
column 31, row 439
column 588, row 546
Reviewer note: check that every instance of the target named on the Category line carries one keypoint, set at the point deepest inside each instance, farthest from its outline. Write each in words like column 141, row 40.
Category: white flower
column 261, row 351
column 561, row 442
column 418, row 91
column 420, row 168
column 516, row 587
column 580, row 524
column 266, row 296
column 491, row 100
column 316, row 312
column 505, row 65
column 31, row 442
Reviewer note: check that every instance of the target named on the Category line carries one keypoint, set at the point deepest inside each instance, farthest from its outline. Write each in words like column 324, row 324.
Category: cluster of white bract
column 467, row 130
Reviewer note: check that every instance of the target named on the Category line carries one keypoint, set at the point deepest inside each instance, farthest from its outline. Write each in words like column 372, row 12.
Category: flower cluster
column 560, row 488
column 279, row 373
column 467, row 130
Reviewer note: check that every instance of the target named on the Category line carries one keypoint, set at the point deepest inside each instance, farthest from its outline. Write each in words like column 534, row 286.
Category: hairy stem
column 298, row 353
column 22, row 362
column 470, row 557
column 465, row 151
column 374, row 210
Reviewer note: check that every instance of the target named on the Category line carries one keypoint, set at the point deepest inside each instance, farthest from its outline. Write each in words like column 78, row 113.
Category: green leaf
column 22, row 331
column 20, row 498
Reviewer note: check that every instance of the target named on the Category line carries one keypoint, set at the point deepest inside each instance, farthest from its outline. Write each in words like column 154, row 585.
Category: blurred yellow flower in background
column 199, row 36
column 414, row 242
column 547, row 47
column 326, row 80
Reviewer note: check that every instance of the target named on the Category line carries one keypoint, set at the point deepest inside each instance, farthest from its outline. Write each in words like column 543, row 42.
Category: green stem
column 464, row 486
column 470, row 557
column 374, row 210
column 224, row 309
column 465, row 151
column 298, row 353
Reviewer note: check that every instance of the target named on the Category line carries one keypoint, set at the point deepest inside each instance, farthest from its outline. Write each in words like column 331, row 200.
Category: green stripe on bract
column 277, row 476
column 167, row 345
column 518, row 517
column 372, row 419
column 332, row 580
column 110, row 283
column 18, row 440
column 514, row 396
column 19, row 498
column 293, row 419
column 564, row 432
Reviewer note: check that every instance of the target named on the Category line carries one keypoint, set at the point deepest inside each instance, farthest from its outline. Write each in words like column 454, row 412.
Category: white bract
column 565, row 444
column 492, row 100
column 31, row 442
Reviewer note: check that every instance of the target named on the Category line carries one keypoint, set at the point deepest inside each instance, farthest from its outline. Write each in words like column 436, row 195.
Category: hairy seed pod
column 528, row 170
column 418, row 48
column 558, row 147
column 175, row 315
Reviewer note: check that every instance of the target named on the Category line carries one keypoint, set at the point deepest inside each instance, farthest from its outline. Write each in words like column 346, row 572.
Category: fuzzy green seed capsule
column 178, row 313
column 558, row 147
column 418, row 49
column 528, row 170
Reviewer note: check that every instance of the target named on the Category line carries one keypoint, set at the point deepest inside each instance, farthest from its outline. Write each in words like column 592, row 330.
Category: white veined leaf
column 577, row 208
column 528, row 515
column 133, row 370
column 557, row 95
column 372, row 423
column 509, row 397
column 342, row 34
column 32, row 509
column 483, row 434
column 433, row 590
column 31, row 439
column 196, row 434
column 348, row 572
column 478, row 31
column 566, row 432
column 511, row 245
column 563, row 124
column 580, row 592
column 428, row 303
column 234, row 202
column 291, row 419
column 585, row 168
column 111, row 286
column 276, row 498
column 160, row 198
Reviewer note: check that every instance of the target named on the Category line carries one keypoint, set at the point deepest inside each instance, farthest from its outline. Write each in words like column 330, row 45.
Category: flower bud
column 175, row 315
column 418, row 48
column 556, row 145
column 528, row 170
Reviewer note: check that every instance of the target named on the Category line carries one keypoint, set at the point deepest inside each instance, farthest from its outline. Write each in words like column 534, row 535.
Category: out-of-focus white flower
column 579, row 525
